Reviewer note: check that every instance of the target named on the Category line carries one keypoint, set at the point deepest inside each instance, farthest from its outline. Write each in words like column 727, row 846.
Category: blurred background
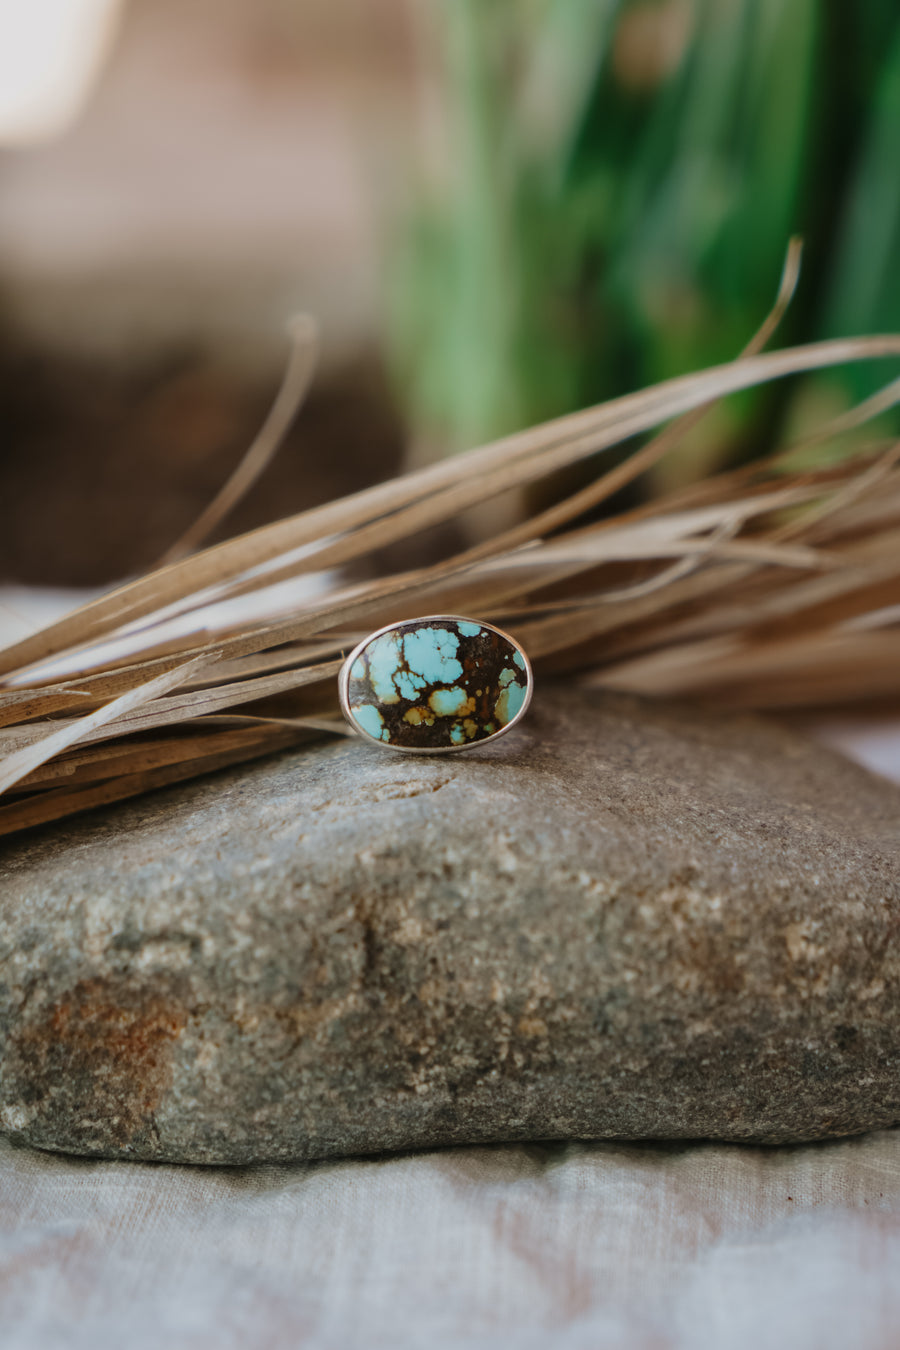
column 497, row 211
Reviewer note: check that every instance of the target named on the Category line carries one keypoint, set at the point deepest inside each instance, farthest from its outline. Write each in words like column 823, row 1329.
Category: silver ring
column 435, row 685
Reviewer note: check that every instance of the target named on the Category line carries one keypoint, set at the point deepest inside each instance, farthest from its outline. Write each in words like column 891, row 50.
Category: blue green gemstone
column 436, row 684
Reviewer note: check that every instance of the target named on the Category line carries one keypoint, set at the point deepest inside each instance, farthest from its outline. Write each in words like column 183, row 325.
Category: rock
column 622, row 920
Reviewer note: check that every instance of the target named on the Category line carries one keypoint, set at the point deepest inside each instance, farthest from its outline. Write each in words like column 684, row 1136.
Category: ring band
column 435, row 685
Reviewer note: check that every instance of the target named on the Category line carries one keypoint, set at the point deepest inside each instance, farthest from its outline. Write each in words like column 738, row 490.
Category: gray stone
column 622, row 920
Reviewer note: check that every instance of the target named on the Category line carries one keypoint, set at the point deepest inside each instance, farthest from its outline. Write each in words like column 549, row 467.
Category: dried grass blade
column 17, row 765
column 24, row 705
column 334, row 726
column 183, row 707
column 113, row 759
column 62, row 802
column 819, row 667
column 854, row 490
column 605, row 487
column 304, row 334
column 385, row 513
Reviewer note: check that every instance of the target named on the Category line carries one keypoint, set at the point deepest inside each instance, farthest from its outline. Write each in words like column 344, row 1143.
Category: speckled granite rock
column 622, row 920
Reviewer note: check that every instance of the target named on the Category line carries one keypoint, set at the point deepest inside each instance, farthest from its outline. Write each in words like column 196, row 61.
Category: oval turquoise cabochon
column 437, row 683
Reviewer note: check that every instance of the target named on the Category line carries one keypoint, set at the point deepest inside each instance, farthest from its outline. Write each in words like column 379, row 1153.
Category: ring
column 436, row 684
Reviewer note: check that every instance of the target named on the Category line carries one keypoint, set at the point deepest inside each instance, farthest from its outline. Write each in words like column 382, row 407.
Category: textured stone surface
column 621, row 920
column 436, row 684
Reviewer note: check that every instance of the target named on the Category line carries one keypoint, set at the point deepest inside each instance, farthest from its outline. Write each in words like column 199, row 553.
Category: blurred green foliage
column 623, row 179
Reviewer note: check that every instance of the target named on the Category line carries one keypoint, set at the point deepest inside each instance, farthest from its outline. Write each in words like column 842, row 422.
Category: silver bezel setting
column 344, row 682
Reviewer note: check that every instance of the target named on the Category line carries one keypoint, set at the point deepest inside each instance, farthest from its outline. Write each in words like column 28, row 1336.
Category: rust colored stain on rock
column 101, row 1058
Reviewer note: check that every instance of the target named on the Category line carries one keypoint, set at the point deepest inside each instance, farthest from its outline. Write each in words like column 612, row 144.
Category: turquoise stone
column 432, row 684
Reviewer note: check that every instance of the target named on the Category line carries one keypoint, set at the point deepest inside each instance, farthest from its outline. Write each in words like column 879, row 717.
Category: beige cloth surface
column 574, row 1247
column 707, row 1247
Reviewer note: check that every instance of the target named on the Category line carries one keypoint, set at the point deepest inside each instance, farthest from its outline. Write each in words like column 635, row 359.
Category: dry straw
column 775, row 586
